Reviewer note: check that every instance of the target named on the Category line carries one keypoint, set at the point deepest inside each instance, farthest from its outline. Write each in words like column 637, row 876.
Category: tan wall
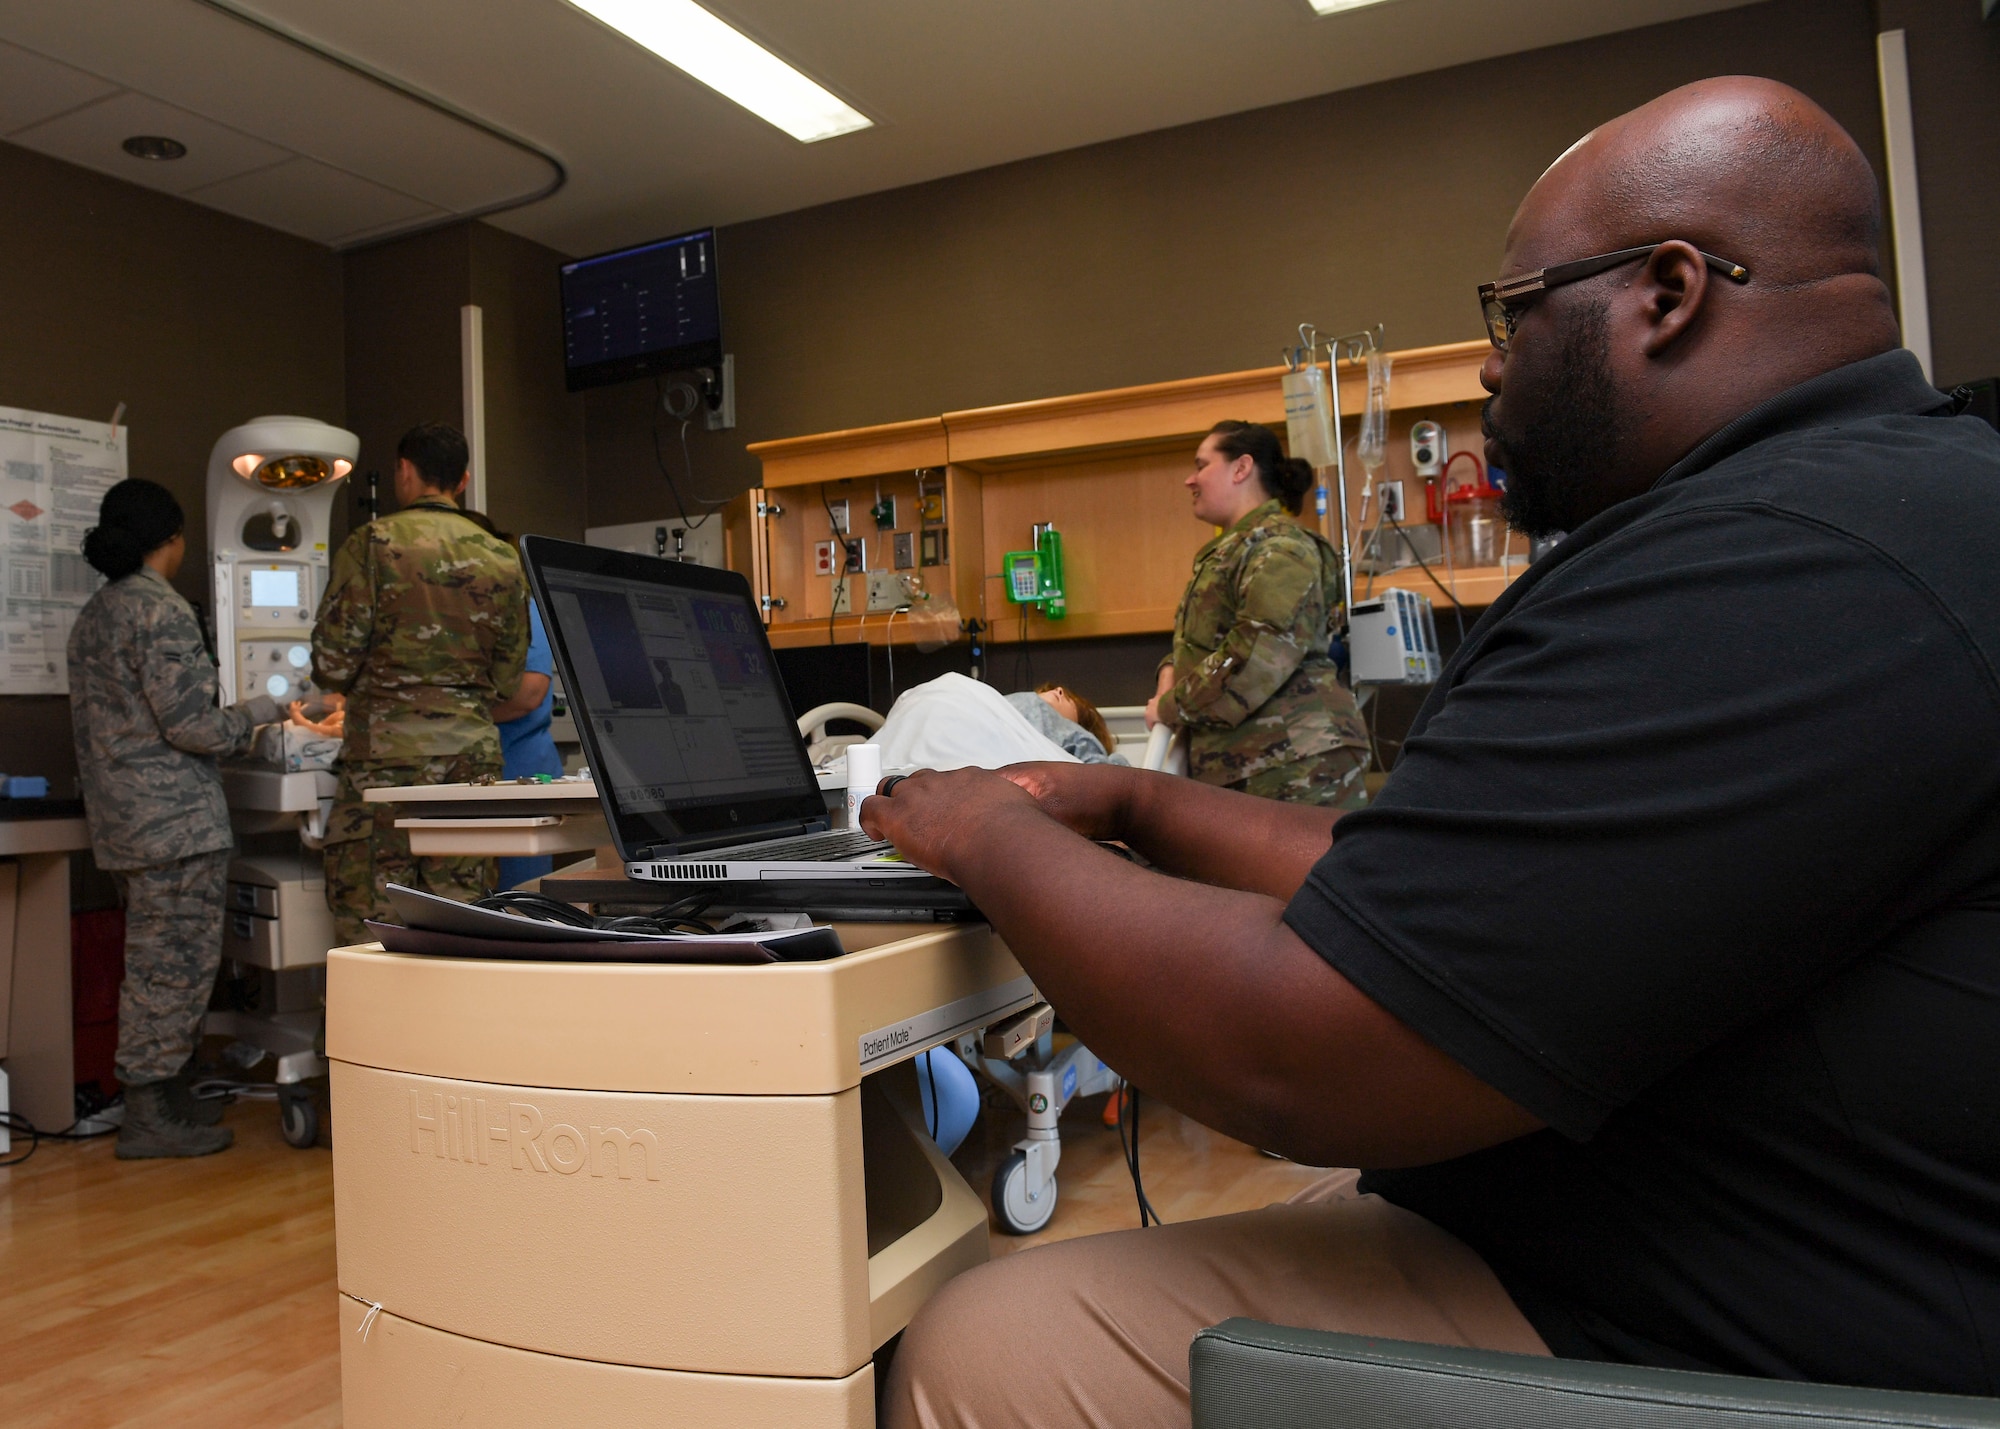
column 534, row 426
column 1188, row 250
column 403, row 301
column 1955, row 103
column 196, row 321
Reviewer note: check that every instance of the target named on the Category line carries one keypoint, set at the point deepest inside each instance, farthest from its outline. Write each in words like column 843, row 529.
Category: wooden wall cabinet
column 1105, row 467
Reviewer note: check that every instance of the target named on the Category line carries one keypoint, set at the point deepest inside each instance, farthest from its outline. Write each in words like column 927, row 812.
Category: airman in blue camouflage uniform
column 424, row 628
column 1250, row 679
column 148, row 732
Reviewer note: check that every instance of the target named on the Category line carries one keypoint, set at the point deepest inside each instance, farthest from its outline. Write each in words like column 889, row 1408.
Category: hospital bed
column 1021, row 1056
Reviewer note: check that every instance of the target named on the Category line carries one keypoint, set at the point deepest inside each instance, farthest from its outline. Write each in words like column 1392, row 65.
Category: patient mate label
column 457, row 1125
column 941, row 1024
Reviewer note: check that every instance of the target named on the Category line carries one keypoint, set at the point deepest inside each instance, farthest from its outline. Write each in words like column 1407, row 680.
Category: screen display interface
column 279, row 587
column 659, row 298
column 687, row 708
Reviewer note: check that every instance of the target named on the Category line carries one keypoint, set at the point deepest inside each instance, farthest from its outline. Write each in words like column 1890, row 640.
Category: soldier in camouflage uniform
column 148, row 730
column 424, row 628
column 1250, row 679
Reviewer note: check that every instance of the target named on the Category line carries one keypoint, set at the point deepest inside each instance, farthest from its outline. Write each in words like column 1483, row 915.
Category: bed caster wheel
column 298, row 1115
column 1018, row 1215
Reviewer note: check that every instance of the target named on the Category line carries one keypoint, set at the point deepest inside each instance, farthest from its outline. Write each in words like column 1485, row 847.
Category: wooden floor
column 170, row 1293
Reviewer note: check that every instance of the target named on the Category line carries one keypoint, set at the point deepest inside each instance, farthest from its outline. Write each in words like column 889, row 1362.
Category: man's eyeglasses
column 1501, row 302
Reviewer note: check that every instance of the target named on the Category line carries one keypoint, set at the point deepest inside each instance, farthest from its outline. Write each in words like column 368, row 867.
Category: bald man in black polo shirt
column 1661, row 985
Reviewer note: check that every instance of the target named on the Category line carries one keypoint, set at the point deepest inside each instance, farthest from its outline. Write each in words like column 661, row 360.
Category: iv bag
column 1373, row 443
column 1309, row 415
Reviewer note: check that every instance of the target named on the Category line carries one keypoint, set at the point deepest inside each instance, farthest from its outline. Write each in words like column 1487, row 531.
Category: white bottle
column 864, row 772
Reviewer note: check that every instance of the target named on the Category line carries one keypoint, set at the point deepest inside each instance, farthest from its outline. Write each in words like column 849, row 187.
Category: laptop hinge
column 786, row 828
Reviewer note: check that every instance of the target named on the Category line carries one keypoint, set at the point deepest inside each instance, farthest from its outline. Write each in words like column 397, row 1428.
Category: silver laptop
column 698, row 758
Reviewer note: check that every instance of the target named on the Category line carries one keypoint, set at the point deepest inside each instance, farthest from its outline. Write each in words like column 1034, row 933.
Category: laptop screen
column 689, row 729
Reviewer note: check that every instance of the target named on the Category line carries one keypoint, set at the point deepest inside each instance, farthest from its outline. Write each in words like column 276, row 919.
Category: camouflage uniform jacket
column 142, row 700
column 1253, row 684
column 424, row 628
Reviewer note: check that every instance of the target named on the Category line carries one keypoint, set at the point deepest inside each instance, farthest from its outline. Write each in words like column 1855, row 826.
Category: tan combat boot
column 151, row 1129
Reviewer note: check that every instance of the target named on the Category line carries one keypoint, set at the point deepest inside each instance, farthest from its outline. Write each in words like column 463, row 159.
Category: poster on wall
column 54, row 472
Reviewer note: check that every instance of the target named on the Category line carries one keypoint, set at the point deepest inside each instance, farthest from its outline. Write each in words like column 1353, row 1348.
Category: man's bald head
column 1610, row 380
column 1745, row 167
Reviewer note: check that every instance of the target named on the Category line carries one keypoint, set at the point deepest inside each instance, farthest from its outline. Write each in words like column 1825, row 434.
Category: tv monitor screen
column 641, row 310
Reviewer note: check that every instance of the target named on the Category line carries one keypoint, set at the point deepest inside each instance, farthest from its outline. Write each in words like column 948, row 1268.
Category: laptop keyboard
column 816, row 848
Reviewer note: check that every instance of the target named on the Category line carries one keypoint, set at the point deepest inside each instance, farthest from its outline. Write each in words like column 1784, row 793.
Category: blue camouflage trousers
column 173, row 946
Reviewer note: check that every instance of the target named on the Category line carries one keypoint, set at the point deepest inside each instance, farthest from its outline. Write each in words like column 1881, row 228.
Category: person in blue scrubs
column 526, row 746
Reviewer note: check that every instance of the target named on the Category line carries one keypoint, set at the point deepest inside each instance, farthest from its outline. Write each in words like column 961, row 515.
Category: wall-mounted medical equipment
column 1392, row 640
column 272, row 484
column 1469, row 511
column 1036, row 577
column 1429, row 446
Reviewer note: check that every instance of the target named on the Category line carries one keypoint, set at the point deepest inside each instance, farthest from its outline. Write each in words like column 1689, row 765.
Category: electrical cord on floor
column 18, row 1125
column 676, row 917
column 1128, row 1105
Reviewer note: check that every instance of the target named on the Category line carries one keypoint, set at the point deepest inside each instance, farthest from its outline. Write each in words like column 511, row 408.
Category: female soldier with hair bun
column 1250, row 680
column 148, row 730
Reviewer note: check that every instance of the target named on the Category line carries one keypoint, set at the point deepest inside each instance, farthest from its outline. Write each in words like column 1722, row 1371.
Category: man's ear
column 458, row 491
column 1673, row 289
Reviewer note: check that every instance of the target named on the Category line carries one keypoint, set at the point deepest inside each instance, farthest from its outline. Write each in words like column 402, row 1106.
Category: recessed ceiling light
column 1334, row 7
column 730, row 63
column 155, row 146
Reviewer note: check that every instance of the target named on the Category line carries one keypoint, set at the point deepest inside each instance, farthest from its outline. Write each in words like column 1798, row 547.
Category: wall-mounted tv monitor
column 641, row 310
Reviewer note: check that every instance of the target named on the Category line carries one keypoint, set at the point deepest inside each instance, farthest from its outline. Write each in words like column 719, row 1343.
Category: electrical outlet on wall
column 837, row 511
column 1390, row 494
column 823, row 557
column 857, row 555
column 904, row 545
column 843, row 596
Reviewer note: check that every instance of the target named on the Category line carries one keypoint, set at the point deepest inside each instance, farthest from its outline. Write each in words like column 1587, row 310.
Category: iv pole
column 1355, row 347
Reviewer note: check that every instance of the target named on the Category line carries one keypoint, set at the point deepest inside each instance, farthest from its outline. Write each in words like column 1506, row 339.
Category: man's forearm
column 1195, row 830
column 1206, row 998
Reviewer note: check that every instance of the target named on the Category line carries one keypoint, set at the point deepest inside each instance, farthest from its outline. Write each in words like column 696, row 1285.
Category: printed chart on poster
column 54, row 472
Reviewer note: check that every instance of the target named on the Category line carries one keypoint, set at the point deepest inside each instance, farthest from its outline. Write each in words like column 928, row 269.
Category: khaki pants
column 1095, row 1331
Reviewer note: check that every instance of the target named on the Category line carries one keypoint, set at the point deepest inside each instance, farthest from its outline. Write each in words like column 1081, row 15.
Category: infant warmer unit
column 272, row 484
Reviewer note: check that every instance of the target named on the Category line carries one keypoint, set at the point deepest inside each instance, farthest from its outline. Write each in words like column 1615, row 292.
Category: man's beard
column 1556, row 459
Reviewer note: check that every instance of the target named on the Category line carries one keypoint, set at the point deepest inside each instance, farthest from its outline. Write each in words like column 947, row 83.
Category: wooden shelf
column 1104, row 467
column 857, row 452
column 1477, row 586
column 1171, row 412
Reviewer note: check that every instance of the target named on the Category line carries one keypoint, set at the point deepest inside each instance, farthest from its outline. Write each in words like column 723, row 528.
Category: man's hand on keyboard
column 937, row 819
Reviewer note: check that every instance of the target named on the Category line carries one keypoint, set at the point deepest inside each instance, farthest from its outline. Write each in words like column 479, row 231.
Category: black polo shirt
column 1694, row 853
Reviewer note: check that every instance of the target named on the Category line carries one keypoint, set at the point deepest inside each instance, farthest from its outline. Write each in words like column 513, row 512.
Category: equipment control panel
column 281, row 669
column 274, row 593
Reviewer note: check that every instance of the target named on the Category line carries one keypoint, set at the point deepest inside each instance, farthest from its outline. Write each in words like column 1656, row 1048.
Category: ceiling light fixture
column 1334, row 7
column 155, row 146
column 730, row 63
